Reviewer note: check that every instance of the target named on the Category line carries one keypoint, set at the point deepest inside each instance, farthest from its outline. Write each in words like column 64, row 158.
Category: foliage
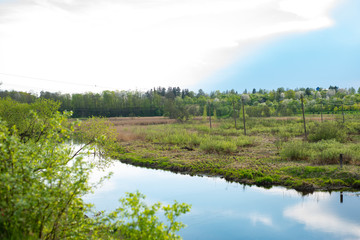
column 182, row 104
column 264, row 181
column 42, row 185
column 31, row 120
column 326, row 131
column 218, row 140
column 43, row 180
column 136, row 220
column 176, row 109
column 295, row 150
column 211, row 144
column 204, row 116
column 322, row 152
column 275, row 152
column 100, row 135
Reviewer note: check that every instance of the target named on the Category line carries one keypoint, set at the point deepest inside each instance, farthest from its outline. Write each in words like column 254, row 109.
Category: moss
column 246, row 174
column 335, row 182
column 264, row 181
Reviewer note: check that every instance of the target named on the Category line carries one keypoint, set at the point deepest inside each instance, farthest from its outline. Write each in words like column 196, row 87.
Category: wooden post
column 341, row 160
column 341, row 197
column 303, row 113
column 210, row 114
column 234, row 112
column 243, row 110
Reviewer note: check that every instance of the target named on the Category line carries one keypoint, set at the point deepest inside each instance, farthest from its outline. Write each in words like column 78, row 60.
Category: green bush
column 136, row 220
column 296, row 150
column 326, row 131
column 243, row 141
column 322, row 152
column 43, row 181
column 210, row 144
column 353, row 127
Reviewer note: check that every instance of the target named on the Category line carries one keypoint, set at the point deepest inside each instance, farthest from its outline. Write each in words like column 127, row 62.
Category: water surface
column 223, row 210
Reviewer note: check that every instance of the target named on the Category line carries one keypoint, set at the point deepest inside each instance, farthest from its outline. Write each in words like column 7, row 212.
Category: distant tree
column 331, row 92
column 278, row 94
column 352, row 90
column 215, row 115
column 204, row 116
column 170, row 93
column 254, row 91
column 176, row 109
column 200, row 93
column 290, row 94
column 233, row 99
column 334, row 87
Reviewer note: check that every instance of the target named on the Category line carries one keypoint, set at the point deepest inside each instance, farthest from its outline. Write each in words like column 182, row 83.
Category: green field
column 274, row 151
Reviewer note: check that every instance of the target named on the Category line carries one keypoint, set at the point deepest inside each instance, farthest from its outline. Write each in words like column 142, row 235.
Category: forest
column 182, row 103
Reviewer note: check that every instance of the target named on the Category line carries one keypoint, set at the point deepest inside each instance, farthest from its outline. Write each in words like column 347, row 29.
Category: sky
column 95, row 45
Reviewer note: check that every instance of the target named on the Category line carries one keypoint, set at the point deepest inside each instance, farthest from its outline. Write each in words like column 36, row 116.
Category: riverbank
column 272, row 153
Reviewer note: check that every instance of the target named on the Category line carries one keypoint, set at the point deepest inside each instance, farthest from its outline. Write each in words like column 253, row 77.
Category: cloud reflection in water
column 316, row 217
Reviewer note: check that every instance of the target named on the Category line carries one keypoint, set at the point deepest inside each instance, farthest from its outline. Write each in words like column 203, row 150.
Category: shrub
column 326, row 131
column 219, row 146
column 295, row 150
column 43, row 182
column 328, row 152
column 322, row 152
column 353, row 127
column 243, row 141
column 136, row 220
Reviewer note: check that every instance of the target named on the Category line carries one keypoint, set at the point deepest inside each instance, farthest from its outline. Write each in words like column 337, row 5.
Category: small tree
column 204, row 116
column 43, row 180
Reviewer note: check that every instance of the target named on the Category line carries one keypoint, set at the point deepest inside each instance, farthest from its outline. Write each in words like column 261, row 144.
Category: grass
column 322, row 152
column 209, row 141
column 327, row 130
column 273, row 153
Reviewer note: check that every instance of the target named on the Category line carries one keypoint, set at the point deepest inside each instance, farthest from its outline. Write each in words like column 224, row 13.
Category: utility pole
column 234, row 112
column 243, row 110
column 209, row 113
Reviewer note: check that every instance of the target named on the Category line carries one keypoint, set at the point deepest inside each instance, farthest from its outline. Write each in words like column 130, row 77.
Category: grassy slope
column 273, row 154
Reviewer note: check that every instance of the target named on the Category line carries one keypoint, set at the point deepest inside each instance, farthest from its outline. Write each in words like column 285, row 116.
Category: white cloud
column 259, row 218
column 307, row 8
column 143, row 43
column 314, row 217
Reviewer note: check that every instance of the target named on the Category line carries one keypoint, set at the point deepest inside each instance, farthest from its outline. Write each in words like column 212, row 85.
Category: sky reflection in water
column 222, row 210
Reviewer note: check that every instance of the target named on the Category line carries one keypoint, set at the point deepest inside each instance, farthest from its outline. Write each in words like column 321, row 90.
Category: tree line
column 175, row 102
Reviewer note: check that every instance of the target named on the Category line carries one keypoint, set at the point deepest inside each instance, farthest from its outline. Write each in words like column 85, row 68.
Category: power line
column 50, row 80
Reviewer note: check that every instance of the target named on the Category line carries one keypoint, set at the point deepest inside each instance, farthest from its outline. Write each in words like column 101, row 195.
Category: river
column 223, row 210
